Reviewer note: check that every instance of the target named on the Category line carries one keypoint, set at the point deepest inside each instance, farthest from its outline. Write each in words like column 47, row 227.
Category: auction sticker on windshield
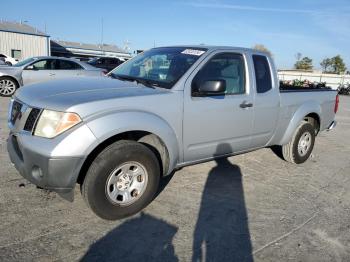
column 193, row 52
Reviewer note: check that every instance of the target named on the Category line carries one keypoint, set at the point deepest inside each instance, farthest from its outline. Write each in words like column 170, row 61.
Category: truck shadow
column 144, row 238
column 221, row 232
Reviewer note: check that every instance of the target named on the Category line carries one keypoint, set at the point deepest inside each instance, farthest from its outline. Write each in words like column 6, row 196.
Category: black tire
column 290, row 151
column 115, row 155
column 8, row 63
column 5, row 90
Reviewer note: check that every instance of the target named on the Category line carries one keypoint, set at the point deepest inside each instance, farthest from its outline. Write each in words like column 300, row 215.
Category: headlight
column 53, row 123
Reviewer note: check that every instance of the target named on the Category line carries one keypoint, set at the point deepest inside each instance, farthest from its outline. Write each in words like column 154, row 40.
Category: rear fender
column 307, row 108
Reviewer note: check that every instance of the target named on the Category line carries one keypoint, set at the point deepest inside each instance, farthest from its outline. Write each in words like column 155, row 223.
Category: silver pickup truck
column 166, row 108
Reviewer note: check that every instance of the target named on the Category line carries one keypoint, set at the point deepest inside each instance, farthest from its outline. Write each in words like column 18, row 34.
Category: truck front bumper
column 54, row 173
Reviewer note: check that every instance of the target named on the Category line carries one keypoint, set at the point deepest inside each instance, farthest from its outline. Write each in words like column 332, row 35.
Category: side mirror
column 30, row 67
column 211, row 88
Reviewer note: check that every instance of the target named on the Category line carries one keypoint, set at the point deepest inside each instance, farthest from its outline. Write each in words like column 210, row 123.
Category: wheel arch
column 309, row 112
column 146, row 128
column 314, row 120
column 12, row 78
column 150, row 140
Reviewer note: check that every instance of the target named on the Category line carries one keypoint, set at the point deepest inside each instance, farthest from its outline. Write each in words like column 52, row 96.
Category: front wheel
column 122, row 180
column 8, row 86
column 300, row 147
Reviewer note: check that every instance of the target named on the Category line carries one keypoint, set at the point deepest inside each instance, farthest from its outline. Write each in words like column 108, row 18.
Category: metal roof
column 96, row 47
column 20, row 28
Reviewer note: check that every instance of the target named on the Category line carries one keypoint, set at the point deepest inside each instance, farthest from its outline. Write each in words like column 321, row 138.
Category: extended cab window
column 225, row 66
column 262, row 74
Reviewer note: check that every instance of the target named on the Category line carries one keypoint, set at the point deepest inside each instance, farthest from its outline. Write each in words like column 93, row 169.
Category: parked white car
column 8, row 59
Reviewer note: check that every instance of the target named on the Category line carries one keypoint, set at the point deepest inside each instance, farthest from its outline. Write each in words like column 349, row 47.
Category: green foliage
column 338, row 65
column 263, row 48
column 333, row 65
column 304, row 64
column 326, row 65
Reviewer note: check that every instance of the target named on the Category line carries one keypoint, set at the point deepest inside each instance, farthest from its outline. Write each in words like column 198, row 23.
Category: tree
column 338, row 65
column 298, row 56
column 305, row 64
column 263, row 48
column 326, row 65
column 333, row 65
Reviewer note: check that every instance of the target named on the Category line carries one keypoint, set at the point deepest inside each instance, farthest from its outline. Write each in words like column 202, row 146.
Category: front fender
column 16, row 77
column 307, row 108
column 109, row 125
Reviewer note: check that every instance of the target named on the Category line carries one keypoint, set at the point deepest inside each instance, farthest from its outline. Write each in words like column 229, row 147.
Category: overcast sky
column 315, row 28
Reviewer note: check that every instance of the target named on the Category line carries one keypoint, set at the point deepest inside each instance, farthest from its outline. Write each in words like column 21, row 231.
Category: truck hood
column 63, row 94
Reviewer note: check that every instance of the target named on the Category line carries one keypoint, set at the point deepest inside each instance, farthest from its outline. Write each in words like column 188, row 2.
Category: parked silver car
column 40, row 69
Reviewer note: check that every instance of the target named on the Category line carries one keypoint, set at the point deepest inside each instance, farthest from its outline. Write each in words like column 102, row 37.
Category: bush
column 344, row 89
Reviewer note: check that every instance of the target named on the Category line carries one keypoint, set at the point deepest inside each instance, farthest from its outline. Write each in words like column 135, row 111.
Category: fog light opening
column 37, row 173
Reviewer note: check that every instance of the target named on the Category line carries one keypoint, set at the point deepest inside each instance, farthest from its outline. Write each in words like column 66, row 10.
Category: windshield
column 24, row 62
column 162, row 67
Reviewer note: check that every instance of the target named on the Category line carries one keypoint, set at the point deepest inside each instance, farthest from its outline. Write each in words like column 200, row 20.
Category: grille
column 31, row 120
column 15, row 112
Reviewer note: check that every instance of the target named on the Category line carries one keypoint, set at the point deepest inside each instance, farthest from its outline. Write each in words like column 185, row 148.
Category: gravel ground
column 253, row 206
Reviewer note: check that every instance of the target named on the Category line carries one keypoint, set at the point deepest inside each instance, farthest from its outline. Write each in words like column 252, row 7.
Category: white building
column 21, row 41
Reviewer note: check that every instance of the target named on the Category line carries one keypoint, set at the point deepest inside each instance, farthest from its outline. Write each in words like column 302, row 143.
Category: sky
column 314, row 28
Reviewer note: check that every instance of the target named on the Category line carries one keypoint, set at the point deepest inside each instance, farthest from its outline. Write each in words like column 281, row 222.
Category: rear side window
column 262, row 74
column 67, row 65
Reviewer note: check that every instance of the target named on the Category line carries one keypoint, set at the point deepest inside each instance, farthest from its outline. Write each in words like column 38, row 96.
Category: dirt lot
column 253, row 207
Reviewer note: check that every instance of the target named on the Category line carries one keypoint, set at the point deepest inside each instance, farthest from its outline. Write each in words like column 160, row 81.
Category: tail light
column 336, row 105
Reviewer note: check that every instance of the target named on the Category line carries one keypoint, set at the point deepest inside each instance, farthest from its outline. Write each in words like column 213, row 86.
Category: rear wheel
column 300, row 147
column 122, row 180
column 8, row 86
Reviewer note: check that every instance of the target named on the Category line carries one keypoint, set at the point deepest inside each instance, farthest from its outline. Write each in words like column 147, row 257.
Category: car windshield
column 24, row 62
column 161, row 67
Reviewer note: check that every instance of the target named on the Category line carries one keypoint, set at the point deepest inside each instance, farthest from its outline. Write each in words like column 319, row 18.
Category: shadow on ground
column 221, row 232
column 144, row 238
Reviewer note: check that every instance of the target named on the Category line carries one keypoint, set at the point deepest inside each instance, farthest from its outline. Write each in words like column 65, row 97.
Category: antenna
column 102, row 34
column 127, row 45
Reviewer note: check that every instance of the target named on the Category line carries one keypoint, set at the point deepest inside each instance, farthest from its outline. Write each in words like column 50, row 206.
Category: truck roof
column 218, row 47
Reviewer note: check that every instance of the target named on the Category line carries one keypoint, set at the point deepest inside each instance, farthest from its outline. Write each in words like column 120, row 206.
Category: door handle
column 52, row 74
column 245, row 104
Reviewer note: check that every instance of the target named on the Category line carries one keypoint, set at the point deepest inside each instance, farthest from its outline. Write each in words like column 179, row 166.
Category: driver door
column 216, row 125
column 39, row 71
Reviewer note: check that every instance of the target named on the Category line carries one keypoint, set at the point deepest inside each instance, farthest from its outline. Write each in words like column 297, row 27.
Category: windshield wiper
column 122, row 77
column 142, row 81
